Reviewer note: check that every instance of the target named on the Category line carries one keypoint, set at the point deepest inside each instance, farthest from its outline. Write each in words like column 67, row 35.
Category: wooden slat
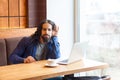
column 9, row 33
column 23, row 7
column 14, row 22
column 3, row 22
column 3, row 7
column 13, row 8
column 23, row 22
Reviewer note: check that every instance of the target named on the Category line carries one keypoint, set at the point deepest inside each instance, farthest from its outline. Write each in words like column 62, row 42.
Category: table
column 38, row 71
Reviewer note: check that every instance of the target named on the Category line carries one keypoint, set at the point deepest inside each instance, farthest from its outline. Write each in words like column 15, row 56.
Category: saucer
column 54, row 65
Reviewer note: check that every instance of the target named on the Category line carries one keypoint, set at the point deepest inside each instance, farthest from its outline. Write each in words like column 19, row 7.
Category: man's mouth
column 46, row 35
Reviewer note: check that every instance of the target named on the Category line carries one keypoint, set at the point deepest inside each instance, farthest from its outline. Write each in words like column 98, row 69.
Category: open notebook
column 77, row 53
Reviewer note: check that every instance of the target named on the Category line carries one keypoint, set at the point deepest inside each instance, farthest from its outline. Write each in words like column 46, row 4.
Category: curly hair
column 38, row 32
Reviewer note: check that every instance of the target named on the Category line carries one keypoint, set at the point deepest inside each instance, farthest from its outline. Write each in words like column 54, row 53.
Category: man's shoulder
column 26, row 38
column 54, row 38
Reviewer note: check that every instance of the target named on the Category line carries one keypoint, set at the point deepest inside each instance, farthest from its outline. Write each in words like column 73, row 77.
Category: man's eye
column 44, row 29
column 49, row 29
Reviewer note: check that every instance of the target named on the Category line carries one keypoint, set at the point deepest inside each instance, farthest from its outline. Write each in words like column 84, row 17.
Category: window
column 100, row 26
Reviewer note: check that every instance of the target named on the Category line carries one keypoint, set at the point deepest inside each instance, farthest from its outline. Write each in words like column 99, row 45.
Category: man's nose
column 46, row 31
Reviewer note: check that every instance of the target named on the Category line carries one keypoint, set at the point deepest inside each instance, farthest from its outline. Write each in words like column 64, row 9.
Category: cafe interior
column 78, row 21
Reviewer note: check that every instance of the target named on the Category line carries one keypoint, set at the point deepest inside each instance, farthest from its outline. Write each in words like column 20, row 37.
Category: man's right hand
column 55, row 31
column 29, row 59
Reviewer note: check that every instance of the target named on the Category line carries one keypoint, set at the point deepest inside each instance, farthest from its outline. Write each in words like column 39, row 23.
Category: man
column 43, row 44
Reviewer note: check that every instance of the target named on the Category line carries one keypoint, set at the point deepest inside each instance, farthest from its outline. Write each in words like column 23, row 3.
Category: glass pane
column 100, row 26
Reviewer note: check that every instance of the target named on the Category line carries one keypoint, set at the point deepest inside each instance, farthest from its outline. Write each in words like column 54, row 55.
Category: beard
column 46, row 38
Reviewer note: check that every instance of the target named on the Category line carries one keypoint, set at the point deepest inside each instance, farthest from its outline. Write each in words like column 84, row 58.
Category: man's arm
column 55, row 48
column 17, row 55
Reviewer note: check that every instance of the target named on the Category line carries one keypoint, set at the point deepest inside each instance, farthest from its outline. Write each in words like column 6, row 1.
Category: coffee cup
column 52, row 62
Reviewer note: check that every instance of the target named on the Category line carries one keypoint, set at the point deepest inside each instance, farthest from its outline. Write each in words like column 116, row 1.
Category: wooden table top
column 38, row 71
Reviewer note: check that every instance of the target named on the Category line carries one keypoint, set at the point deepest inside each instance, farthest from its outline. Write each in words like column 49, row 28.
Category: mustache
column 46, row 35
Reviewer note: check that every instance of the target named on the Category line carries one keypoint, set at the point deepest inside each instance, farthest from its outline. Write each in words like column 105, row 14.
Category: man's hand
column 55, row 31
column 29, row 59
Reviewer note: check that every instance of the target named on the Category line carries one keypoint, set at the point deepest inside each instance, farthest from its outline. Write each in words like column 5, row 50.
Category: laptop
column 77, row 53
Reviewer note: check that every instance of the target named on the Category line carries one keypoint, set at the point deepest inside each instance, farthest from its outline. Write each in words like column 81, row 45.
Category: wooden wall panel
column 9, row 33
column 22, row 13
column 23, row 7
column 3, row 23
column 36, row 12
column 3, row 7
column 14, row 22
column 13, row 8
column 23, row 22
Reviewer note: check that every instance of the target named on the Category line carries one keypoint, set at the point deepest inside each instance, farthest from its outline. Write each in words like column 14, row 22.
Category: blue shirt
column 27, row 47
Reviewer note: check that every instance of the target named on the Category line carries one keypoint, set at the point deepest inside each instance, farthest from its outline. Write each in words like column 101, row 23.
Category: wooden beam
column 9, row 33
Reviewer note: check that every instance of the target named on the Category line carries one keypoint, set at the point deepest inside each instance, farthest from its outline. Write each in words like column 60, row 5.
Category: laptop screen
column 77, row 53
